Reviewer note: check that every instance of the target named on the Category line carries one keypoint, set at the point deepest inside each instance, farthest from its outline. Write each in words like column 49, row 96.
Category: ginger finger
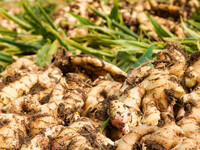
column 20, row 63
column 129, row 140
column 151, row 113
column 15, row 89
column 157, row 139
column 42, row 139
column 99, row 92
column 82, row 134
column 154, row 89
column 192, row 78
column 12, row 131
column 93, row 66
column 125, row 111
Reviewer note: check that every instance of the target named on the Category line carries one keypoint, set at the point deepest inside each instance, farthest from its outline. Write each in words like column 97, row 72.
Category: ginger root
column 92, row 66
column 82, row 134
column 152, row 89
column 12, row 130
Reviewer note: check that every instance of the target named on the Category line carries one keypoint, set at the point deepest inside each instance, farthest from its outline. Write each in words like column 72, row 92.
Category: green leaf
column 161, row 32
column 98, row 13
column 116, row 24
column 125, row 29
column 126, row 66
column 87, row 50
column 19, row 44
column 81, row 19
column 126, row 56
column 105, row 124
column 52, row 50
column 66, row 42
column 30, row 12
column 196, row 14
column 194, row 23
column 5, row 60
column 109, row 22
column 6, row 57
column 141, row 36
column 46, row 16
column 18, row 21
column 108, row 31
column 11, row 33
column 36, row 21
column 114, row 12
column 56, row 34
column 145, row 57
column 49, row 8
column 121, row 20
column 45, row 54
column 189, row 31
column 42, row 54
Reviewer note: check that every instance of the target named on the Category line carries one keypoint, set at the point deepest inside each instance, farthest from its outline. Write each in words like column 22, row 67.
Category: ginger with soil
column 148, row 91
column 151, row 106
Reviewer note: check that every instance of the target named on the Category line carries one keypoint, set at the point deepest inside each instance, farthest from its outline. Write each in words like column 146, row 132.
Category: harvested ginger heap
column 65, row 104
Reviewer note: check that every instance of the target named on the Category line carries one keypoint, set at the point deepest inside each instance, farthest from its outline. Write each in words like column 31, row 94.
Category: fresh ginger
column 15, row 89
column 40, row 116
column 27, row 83
column 47, row 99
column 96, row 101
column 154, row 89
column 18, row 65
column 166, row 135
column 189, row 120
column 192, row 77
column 165, row 13
column 59, row 108
column 152, row 107
column 129, row 140
column 92, row 66
column 82, row 134
column 12, row 131
column 171, row 135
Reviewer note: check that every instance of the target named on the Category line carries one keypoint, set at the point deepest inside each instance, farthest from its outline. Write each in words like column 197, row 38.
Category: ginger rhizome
column 148, row 91
column 71, row 104
column 178, row 130
column 35, row 100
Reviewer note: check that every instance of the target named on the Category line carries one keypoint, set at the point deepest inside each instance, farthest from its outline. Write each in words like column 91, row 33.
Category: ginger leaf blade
column 105, row 124
column 145, row 57
column 161, row 32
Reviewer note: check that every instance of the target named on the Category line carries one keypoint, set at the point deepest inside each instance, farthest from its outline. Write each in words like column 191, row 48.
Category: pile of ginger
column 65, row 104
